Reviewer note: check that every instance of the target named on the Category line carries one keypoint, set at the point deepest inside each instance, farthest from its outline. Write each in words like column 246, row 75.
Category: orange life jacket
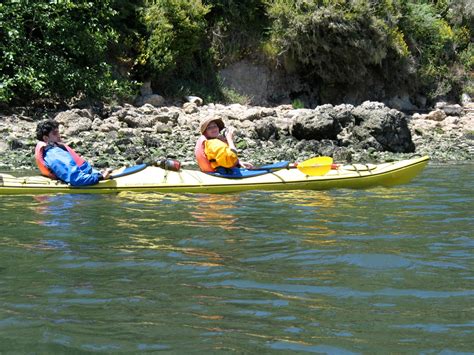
column 203, row 162
column 39, row 157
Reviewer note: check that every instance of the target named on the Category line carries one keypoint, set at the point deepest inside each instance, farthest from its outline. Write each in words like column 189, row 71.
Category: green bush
column 336, row 43
column 431, row 42
column 59, row 49
column 407, row 45
column 176, row 30
column 55, row 50
column 235, row 28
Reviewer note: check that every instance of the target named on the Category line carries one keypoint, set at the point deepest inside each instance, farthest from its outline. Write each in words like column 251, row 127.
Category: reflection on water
column 343, row 271
column 216, row 211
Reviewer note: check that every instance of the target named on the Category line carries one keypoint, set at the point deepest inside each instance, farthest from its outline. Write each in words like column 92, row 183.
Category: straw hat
column 206, row 122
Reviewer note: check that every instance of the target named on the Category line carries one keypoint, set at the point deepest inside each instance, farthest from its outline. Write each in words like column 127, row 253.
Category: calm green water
column 373, row 271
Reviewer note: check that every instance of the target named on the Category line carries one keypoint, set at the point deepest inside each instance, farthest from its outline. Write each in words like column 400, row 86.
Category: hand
column 229, row 133
column 106, row 173
column 245, row 165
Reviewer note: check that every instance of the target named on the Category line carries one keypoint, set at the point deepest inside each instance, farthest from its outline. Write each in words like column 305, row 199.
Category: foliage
column 59, row 49
column 297, row 103
column 336, row 43
column 235, row 28
column 406, row 44
column 431, row 41
column 55, row 50
column 231, row 96
column 126, row 52
column 176, row 29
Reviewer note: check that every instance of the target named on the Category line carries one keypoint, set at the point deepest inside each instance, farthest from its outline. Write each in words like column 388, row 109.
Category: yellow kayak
column 159, row 180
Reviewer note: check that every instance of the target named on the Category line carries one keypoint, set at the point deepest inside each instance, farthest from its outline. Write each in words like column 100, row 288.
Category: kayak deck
column 355, row 176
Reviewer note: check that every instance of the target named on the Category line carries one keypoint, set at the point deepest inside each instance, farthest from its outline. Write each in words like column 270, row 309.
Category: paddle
column 167, row 164
column 128, row 170
column 313, row 167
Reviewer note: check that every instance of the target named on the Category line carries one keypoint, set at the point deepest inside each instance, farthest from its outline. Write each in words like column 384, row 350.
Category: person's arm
column 84, row 175
column 229, row 136
column 65, row 168
column 230, row 140
column 220, row 154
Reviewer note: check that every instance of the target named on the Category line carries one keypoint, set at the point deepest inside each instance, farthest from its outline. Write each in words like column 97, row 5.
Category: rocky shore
column 113, row 136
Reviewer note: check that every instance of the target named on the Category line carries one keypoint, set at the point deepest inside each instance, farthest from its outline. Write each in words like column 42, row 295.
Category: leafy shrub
column 297, row 103
column 59, row 49
column 55, row 50
column 176, row 30
column 334, row 43
column 235, row 28
column 431, row 41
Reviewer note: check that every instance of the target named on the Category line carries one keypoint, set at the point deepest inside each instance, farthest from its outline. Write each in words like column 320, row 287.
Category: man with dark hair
column 57, row 160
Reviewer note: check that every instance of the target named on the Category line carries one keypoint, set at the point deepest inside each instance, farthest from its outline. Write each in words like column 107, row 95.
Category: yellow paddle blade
column 315, row 166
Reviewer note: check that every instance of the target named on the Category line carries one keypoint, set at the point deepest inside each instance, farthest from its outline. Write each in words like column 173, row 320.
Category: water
column 343, row 271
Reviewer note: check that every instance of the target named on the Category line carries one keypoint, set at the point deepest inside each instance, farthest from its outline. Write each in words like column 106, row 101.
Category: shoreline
column 114, row 136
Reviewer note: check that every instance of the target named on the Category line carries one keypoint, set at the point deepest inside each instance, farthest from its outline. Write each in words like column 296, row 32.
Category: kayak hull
column 355, row 176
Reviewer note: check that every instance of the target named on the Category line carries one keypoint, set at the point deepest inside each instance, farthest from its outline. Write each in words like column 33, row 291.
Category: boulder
column 402, row 103
column 266, row 129
column 73, row 128
column 315, row 126
column 382, row 128
column 133, row 121
column 453, row 110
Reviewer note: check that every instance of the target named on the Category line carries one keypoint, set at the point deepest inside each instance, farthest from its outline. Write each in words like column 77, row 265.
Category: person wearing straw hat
column 215, row 149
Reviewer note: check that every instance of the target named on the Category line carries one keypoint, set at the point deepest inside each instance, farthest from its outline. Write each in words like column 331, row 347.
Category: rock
column 190, row 107
column 268, row 112
column 152, row 99
column 402, row 103
column 194, row 100
column 266, row 129
column 440, row 105
column 423, row 127
column 250, row 115
column 109, row 124
column 372, row 105
column 436, row 115
column 451, row 120
column 162, row 128
column 453, row 110
column 147, row 109
column 145, row 89
column 467, row 123
column 368, row 132
column 315, row 126
column 388, row 127
column 72, row 128
column 465, row 99
column 343, row 116
column 3, row 147
column 151, row 141
column 165, row 117
column 67, row 116
column 136, row 121
column 342, row 154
